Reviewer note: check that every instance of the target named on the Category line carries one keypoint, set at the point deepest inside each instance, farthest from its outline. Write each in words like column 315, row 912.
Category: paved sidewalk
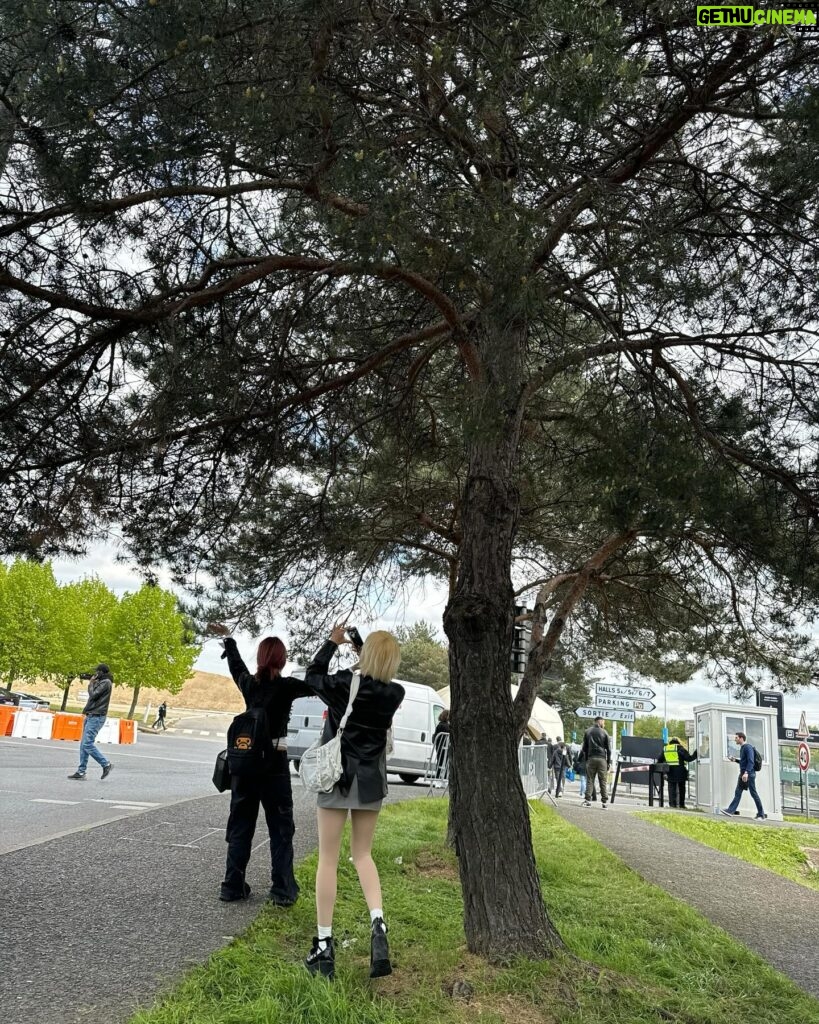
column 776, row 918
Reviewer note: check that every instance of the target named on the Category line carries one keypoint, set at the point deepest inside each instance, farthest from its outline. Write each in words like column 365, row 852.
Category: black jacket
column 560, row 757
column 364, row 743
column 596, row 744
column 439, row 738
column 99, row 697
column 275, row 696
column 679, row 771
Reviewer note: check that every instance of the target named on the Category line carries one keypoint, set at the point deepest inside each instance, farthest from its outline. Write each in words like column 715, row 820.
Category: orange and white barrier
column 61, row 725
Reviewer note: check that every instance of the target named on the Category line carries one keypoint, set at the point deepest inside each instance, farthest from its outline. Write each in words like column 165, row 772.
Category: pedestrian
column 440, row 745
column 579, row 765
column 161, row 711
column 676, row 757
column 560, row 762
column 747, row 777
column 550, row 775
column 597, row 751
column 361, row 788
column 268, row 783
column 96, row 711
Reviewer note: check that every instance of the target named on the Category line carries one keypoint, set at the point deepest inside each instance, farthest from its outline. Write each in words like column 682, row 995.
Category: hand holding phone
column 355, row 637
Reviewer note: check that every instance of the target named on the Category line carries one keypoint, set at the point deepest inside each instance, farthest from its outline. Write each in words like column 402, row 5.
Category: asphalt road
column 39, row 802
column 105, row 905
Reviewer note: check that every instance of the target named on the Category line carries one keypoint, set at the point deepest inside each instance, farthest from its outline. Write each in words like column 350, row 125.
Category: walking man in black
column 597, row 751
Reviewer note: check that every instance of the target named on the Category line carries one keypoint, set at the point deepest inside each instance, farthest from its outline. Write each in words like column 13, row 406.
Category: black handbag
column 221, row 771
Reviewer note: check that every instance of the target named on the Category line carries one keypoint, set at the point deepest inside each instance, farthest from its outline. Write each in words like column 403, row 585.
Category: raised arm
column 317, row 677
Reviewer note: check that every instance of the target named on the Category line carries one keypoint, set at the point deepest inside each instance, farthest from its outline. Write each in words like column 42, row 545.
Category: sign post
column 803, row 753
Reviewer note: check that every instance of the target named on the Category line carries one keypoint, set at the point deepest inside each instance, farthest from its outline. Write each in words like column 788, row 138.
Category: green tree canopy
column 28, row 597
column 150, row 642
column 424, row 659
column 80, row 634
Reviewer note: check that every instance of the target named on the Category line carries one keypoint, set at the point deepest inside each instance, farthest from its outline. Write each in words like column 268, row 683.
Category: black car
column 26, row 701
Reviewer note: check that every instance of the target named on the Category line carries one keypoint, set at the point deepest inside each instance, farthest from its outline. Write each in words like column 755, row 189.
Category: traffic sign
column 803, row 731
column 613, row 714
column 615, row 690
column 622, row 702
column 804, row 756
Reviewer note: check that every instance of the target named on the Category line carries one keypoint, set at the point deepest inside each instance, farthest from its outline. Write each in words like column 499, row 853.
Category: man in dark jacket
column 95, row 711
column 560, row 762
column 747, row 778
column 597, row 751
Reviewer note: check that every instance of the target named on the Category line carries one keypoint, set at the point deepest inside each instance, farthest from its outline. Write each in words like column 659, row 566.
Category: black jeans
column 676, row 790
column 558, row 773
column 273, row 791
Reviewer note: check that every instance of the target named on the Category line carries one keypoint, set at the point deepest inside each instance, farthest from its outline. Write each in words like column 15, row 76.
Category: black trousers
column 558, row 773
column 273, row 791
column 676, row 788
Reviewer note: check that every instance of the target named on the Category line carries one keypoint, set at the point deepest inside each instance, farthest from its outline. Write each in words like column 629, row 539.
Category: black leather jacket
column 364, row 743
column 275, row 697
column 99, row 697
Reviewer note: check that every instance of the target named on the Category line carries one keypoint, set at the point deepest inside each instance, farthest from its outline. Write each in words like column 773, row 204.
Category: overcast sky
column 424, row 603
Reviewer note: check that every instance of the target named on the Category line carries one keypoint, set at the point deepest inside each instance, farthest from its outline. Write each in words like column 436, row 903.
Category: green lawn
column 777, row 849
column 625, row 964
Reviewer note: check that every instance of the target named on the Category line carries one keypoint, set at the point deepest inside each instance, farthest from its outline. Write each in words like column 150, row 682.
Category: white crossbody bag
column 320, row 766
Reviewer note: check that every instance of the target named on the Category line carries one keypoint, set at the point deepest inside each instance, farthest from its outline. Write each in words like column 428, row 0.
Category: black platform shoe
column 322, row 961
column 380, row 965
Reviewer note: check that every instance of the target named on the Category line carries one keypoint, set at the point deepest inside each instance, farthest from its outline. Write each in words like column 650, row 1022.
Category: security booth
column 716, row 725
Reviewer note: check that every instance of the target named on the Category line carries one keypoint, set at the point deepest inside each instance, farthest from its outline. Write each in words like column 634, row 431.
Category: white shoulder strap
column 353, row 694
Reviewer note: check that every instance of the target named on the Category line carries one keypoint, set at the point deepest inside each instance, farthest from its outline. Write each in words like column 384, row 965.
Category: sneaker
column 587, row 803
column 227, row 895
column 322, row 961
column 605, row 805
column 761, row 817
column 728, row 814
column 380, row 965
column 77, row 775
column 106, row 771
column 280, row 901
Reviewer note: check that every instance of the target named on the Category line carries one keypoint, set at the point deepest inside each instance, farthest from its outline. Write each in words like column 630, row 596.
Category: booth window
column 754, row 729
column 703, row 738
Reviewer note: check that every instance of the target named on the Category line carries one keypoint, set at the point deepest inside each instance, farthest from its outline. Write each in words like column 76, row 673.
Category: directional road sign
column 804, row 756
column 623, row 703
column 613, row 714
column 615, row 690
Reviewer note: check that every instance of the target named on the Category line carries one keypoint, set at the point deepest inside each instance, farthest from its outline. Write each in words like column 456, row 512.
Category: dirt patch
column 511, row 1009
column 204, row 691
column 432, row 864
column 812, row 853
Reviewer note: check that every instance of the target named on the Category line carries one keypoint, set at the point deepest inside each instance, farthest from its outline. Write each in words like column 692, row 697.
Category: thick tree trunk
column 134, row 701
column 504, row 913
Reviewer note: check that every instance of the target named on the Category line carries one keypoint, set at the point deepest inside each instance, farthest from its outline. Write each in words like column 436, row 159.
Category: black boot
column 380, row 965
column 322, row 961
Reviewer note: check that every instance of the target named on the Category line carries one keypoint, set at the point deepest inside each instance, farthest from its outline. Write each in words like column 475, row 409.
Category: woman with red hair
column 269, row 785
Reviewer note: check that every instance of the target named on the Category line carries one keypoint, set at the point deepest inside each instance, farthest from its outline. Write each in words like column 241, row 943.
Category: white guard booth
column 716, row 725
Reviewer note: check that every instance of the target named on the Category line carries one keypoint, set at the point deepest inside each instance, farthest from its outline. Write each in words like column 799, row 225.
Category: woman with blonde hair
column 361, row 788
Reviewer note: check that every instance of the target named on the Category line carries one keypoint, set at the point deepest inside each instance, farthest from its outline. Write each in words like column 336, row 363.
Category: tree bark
column 134, row 701
column 504, row 913
column 66, row 688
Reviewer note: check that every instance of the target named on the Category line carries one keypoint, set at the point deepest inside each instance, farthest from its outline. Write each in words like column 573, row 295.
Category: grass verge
column 634, row 954
column 781, row 850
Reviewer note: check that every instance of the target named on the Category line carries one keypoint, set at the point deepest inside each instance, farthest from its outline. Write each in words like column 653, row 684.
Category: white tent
column 544, row 718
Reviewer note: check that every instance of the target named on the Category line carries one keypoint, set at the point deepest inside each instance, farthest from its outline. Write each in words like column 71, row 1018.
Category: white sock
column 378, row 912
column 324, row 933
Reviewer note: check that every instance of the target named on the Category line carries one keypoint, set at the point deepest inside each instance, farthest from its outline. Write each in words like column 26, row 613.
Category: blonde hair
column 380, row 656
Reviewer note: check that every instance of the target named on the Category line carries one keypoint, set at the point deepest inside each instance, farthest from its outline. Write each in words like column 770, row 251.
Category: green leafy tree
column 151, row 645
column 28, row 594
column 520, row 297
column 424, row 659
column 652, row 725
column 80, row 635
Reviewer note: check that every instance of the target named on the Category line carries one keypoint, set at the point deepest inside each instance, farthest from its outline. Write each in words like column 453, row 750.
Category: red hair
column 271, row 658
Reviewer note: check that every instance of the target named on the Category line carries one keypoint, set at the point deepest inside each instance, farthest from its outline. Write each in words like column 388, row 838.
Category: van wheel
column 409, row 779
column 296, row 762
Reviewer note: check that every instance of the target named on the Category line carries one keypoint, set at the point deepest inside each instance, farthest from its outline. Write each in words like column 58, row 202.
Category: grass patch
column 625, row 963
column 801, row 819
column 782, row 850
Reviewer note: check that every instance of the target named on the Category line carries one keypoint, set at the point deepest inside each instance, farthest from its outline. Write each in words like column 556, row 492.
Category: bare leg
column 361, row 847
column 330, row 829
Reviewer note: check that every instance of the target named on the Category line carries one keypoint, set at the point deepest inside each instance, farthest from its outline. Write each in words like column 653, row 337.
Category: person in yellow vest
column 676, row 757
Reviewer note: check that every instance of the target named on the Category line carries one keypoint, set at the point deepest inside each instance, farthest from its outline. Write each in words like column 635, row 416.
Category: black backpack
column 248, row 741
column 757, row 760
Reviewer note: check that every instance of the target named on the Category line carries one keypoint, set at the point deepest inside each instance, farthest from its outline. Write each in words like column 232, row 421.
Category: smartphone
column 355, row 637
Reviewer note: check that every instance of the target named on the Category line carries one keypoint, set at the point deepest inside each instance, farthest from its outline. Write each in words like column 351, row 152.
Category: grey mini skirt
column 350, row 802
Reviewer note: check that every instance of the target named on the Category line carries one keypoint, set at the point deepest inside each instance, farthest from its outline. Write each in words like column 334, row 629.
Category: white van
column 412, row 726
